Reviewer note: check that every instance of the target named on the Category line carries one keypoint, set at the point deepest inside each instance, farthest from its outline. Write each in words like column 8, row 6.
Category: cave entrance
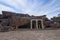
column 26, row 26
column 34, row 24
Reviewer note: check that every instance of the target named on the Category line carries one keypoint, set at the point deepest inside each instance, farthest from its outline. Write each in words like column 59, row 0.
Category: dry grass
column 31, row 35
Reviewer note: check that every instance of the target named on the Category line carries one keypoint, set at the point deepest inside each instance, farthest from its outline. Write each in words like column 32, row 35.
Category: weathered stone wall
column 15, row 19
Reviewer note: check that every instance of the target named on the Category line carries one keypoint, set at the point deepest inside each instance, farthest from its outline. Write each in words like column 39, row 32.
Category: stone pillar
column 37, row 24
column 42, row 24
column 31, row 24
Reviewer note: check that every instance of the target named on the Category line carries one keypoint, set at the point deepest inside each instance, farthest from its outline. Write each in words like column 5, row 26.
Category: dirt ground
column 31, row 35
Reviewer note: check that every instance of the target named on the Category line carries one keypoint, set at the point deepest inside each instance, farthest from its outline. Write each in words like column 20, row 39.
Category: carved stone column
column 36, row 23
column 31, row 24
column 42, row 24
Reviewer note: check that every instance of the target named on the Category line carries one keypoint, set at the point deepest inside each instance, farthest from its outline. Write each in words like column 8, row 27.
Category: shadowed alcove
column 25, row 26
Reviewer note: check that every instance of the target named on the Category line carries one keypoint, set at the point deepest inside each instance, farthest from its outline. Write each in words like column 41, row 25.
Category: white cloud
column 4, row 8
column 54, row 10
column 32, row 8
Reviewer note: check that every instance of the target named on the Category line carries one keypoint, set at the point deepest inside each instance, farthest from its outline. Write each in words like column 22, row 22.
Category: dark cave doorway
column 26, row 26
column 34, row 24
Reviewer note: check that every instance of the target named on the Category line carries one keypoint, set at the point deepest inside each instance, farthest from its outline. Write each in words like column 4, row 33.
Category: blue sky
column 32, row 7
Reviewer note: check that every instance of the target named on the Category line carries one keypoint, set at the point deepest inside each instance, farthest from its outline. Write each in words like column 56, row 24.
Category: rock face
column 11, row 21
